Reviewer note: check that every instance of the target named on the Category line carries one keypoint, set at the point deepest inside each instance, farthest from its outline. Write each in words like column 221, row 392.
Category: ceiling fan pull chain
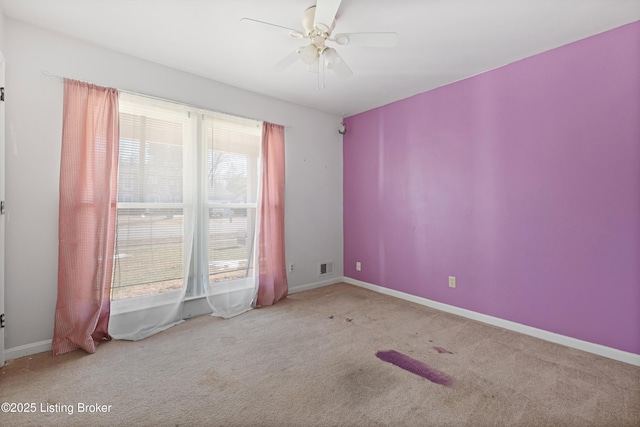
column 321, row 62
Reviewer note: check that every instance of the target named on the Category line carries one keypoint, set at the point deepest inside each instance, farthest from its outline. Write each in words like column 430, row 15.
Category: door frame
column 2, row 198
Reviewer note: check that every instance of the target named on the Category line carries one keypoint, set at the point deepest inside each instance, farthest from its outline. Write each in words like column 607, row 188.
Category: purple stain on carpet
column 331, row 317
column 348, row 319
column 442, row 350
column 414, row 366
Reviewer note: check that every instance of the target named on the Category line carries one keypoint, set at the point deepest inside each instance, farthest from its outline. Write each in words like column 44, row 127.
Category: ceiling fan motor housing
column 308, row 18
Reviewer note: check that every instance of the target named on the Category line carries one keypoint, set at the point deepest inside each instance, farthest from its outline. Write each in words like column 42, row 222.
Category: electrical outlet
column 358, row 266
column 452, row 281
column 291, row 268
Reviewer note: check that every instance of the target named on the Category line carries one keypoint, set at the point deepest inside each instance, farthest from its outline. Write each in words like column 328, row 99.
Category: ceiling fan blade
column 275, row 27
column 325, row 14
column 367, row 39
column 334, row 61
column 342, row 70
column 287, row 61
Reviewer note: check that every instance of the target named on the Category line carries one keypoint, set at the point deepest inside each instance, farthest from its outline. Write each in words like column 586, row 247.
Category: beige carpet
column 311, row 361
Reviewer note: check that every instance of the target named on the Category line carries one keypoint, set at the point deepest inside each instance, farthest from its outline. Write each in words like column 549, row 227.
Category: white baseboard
column 27, row 350
column 611, row 353
column 39, row 347
column 314, row 285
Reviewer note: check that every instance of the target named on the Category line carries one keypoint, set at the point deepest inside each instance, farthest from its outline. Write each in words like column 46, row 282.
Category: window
column 187, row 198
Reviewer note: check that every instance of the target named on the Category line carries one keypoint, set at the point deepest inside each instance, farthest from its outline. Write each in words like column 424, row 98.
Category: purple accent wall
column 523, row 182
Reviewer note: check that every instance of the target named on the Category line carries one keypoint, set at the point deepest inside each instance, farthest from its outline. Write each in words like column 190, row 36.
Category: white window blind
column 232, row 152
column 187, row 198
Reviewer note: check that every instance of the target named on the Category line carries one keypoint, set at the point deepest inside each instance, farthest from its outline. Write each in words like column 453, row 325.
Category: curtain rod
column 46, row 73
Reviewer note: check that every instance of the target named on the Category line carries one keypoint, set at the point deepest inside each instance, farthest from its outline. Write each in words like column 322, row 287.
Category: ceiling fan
column 318, row 23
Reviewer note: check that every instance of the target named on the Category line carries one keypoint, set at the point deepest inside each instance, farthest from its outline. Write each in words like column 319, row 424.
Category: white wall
column 313, row 213
column 2, row 29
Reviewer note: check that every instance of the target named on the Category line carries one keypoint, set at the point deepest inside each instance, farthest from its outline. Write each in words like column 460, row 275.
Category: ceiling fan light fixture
column 331, row 57
column 313, row 67
column 308, row 54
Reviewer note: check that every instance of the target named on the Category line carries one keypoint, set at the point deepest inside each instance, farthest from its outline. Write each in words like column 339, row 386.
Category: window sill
column 141, row 303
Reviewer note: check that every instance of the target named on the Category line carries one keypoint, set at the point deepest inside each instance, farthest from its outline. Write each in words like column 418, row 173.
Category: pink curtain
column 272, row 282
column 86, row 230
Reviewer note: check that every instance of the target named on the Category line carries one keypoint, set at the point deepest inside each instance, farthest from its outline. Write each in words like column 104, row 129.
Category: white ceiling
column 441, row 41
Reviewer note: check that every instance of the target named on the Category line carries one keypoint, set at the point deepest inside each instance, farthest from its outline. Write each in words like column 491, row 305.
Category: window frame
column 200, row 272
